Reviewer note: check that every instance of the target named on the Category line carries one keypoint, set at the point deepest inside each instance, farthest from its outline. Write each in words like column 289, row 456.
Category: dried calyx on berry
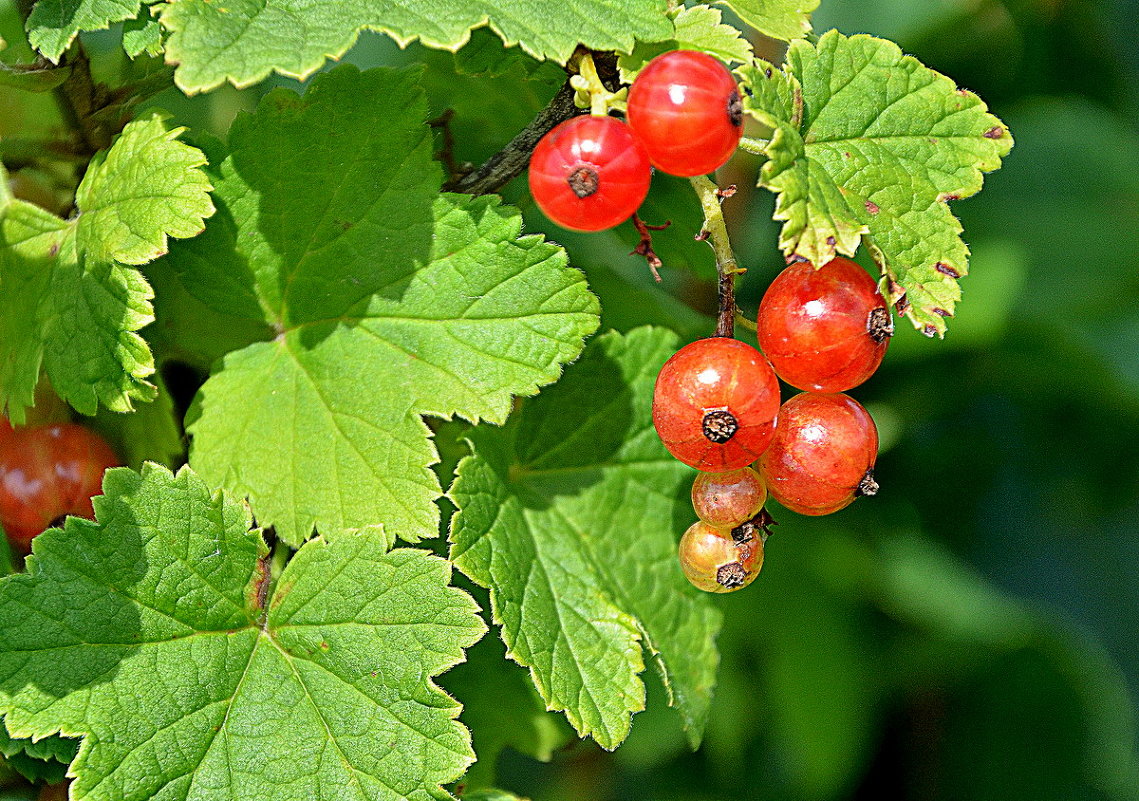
column 714, row 561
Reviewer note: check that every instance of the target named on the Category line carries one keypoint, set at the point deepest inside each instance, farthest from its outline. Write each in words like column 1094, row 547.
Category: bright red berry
column 728, row 499
column 715, row 403
column 685, row 107
column 824, row 330
column 47, row 472
column 716, row 561
column 823, row 454
column 589, row 173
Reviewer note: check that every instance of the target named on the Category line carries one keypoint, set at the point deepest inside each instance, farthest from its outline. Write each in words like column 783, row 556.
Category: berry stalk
column 715, row 231
column 756, row 147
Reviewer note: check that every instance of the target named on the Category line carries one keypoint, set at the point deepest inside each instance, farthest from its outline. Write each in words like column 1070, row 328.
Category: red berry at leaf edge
column 824, row 330
column 714, row 404
column 728, row 499
column 685, row 107
column 714, row 560
column 823, row 454
column 589, row 173
column 47, row 472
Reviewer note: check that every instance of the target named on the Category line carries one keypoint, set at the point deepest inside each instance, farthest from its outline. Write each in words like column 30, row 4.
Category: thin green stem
column 716, row 231
column 757, row 147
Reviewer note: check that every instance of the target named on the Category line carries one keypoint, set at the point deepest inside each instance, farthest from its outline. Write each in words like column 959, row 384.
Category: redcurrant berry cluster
column 684, row 117
column 716, row 407
column 47, row 472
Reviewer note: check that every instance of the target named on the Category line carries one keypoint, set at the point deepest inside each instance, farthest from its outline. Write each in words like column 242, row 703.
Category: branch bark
column 508, row 163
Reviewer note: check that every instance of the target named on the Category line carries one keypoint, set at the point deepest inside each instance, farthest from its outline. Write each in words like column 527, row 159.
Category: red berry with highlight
column 685, row 107
column 715, row 403
column 823, row 454
column 714, row 560
column 824, row 330
column 728, row 499
column 47, row 472
column 589, row 173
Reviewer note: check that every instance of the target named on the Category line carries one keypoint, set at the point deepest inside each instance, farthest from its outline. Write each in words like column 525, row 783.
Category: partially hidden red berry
column 685, row 107
column 47, row 472
column 823, row 454
column 824, row 330
column 728, row 499
column 715, row 561
column 589, row 173
column 714, row 404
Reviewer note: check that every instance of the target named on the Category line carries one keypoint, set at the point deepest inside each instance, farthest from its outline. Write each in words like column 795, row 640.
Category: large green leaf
column 870, row 144
column 146, row 188
column 779, row 19
column 389, row 302
column 243, row 41
column 53, row 24
column 694, row 28
column 38, row 760
column 79, row 324
column 71, row 305
column 154, row 635
column 570, row 515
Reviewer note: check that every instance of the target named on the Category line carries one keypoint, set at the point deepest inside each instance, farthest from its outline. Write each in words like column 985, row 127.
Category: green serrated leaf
column 30, row 239
column 485, row 55
column 79, row 324
column 188, row 331
column 243, row 41
column 74, row 307
column 695, row 28
column 147, row 187
column 43, row 760
column 54, row 24
column 870, row 144
column 142, row 35
column 160, row 650
column 780, row 19
column 389, row 302
column 61, row 749
column 569, row 515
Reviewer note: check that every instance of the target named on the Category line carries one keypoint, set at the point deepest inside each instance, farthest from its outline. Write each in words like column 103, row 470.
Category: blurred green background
column 971, row 632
